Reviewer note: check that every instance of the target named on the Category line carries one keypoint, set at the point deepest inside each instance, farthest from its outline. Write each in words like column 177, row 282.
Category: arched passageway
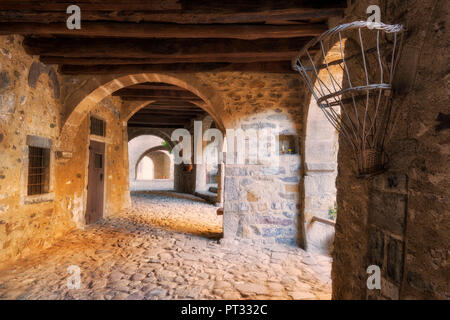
column 320, row 158
column 145, row 169
column 169, row 109
column 71, row 100
column 150, row 163
column 155, row 165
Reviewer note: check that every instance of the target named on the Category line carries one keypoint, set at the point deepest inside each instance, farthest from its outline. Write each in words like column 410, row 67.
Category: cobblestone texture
column 166, row 247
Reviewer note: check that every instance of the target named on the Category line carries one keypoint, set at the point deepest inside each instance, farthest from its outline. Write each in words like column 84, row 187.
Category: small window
column 98, row 127
column 38, row 170
column 288, row 144
column 98, row 161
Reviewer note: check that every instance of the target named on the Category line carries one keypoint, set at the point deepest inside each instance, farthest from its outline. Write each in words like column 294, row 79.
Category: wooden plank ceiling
column 133, row 36
column 169, row 106
column 168, row 35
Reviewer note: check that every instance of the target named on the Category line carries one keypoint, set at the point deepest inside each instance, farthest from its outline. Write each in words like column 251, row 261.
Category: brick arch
column 79, row 103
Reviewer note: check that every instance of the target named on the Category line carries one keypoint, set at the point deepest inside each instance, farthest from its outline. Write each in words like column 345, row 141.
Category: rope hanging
column 359, row 104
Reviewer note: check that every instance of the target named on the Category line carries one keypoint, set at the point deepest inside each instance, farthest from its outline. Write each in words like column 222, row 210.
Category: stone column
column 220, row 183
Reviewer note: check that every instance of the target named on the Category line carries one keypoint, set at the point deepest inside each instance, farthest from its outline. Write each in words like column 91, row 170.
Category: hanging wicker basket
column 352, row 84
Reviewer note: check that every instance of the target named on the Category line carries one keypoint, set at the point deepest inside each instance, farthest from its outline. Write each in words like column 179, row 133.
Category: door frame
column 102, row 140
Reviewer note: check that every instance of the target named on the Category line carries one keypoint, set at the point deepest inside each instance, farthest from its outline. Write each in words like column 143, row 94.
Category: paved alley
column 166, row 247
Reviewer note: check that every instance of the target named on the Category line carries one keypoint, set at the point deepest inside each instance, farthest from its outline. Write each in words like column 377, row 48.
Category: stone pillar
column 126, row 196
column 220, row 183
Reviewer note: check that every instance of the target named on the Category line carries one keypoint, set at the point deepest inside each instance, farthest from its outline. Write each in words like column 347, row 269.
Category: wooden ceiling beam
column 206, row 49
column 267, row 67
column 266, row 56
column 102, row 5
column 156, row 30
column 173, row 16
column 174, row 6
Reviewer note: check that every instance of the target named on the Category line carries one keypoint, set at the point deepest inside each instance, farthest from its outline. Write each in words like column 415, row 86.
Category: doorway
column 96, row 182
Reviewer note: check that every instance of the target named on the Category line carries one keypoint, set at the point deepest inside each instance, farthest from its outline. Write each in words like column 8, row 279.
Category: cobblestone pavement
column 162, row 249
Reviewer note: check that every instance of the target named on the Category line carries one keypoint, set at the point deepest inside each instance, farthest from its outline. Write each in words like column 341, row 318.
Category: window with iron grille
column 98, row 127
column 38, row 170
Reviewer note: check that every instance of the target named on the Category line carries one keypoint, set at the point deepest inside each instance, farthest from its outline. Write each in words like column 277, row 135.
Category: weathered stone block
column 272, row 232
column 5, row 81
column 251, row 197
column 320, row 166
column 236, row 171
column 275, row 221
column 258, row 125
column 272, row 171
column 262, row 207
column 231, row 189
column 7, row 103
column 243, row 207
column 288, row 196
column 291, row 188
column 288, row 214
column 246, row 182
column 295, row 167
column 291, row 206
column 40, row 142
column 286, row 241
column 230, row 225
column 230, row 206
column 290, row 179
column 278, row 117
column 276, row 205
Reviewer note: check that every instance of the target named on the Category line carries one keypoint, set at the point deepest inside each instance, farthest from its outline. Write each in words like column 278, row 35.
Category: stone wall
column 31, row 96
column 262, row 202
column 162, row 164
column 399, row 220
column 72, row 175
column 29, row 106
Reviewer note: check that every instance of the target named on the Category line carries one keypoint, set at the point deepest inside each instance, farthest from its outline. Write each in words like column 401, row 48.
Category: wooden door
column 96, row 182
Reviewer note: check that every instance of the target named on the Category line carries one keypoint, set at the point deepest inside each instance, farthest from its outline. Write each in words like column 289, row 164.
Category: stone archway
column 79, row 103
column 164, row 135
column 147, row 152
column 320, row 167
column 162, row 165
